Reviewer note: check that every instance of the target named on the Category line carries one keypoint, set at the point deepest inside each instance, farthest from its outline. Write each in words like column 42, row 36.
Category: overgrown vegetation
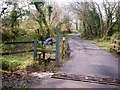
column 116, row 36
column 97, row 20
column 22, row 24
column 17, row 62
column 28, row 21
column 14, row 63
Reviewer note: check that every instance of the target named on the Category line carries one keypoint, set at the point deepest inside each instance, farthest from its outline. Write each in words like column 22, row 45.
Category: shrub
column 16, row 62
column 116, row 35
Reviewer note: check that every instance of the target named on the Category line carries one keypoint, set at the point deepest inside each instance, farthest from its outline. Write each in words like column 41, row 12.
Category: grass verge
column 106, row 45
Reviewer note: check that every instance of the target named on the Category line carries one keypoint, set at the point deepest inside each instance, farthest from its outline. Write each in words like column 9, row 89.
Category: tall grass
column 16, row 62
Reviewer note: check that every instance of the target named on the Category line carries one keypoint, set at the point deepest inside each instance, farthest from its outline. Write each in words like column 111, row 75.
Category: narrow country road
column 85, row 59
column 89, row 59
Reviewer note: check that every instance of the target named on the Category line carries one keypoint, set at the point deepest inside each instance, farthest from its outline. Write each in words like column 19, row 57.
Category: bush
column 16, row 62
column 116, row 36
column 7, row 35
column 13, row 34
column 32, row 36
column 5, row 65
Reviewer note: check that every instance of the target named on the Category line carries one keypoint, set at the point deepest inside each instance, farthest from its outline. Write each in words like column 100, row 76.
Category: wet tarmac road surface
column 89, row 59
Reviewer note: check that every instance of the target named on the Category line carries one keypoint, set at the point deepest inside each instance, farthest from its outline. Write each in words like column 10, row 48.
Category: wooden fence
column 15, row 43
column 36, row 51
column 115, row 45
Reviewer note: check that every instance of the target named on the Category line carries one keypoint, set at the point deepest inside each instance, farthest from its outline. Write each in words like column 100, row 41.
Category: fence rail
column 15, row 43
column 22, row 42
column 9, row 53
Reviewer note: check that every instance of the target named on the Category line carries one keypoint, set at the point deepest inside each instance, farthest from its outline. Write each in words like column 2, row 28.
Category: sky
column 60, row 2
column 66, row 1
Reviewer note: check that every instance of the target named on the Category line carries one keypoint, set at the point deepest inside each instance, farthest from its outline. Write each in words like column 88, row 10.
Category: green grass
column 106, row 45
column 16, row 62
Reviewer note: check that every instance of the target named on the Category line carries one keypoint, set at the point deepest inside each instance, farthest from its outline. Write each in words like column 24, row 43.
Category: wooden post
column 57, row 50
column 63, row 47
column 35, row 50
column 44, row 61
column 39, row 59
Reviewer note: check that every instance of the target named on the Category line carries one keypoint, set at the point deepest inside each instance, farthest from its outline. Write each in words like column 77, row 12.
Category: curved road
column 85, row 59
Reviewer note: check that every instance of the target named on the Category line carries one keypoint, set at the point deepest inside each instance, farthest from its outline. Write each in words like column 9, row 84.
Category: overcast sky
column 61, row 2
